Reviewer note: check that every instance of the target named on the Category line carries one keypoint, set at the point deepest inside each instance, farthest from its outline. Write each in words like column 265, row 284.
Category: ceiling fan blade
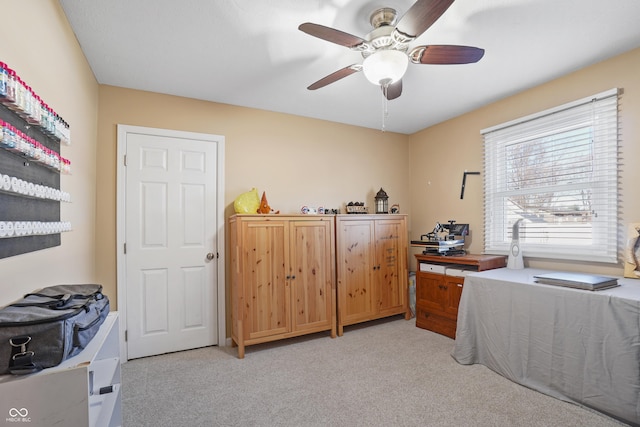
column 420, row 17
column 334, row 36
column 445, row 54
column 335, row 76
column 392, row 91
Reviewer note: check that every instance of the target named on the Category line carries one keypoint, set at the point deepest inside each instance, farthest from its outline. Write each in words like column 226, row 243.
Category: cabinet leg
column 240, row 346
column 240, row 351
column 340, row 330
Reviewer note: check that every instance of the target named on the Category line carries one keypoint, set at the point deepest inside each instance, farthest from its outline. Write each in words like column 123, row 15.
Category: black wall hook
column 464, row 181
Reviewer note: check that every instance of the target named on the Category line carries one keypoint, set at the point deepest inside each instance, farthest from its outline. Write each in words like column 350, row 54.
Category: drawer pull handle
column 106, row 390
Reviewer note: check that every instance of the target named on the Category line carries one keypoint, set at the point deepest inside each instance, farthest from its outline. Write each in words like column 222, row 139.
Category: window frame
column 499, row 215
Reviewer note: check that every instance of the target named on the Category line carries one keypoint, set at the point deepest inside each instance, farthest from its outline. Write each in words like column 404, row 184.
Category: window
column 558, row 171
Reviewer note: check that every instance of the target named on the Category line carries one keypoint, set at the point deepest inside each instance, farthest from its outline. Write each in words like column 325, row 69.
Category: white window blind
column 558, row 171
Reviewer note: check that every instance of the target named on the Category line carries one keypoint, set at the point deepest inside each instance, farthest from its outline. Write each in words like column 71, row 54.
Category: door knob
column 210, row 256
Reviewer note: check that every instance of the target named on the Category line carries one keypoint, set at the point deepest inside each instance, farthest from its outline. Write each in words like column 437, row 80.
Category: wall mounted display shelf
column 30, row 167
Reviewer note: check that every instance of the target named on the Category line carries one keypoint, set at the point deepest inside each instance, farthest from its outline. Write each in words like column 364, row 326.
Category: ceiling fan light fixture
column 385, row 66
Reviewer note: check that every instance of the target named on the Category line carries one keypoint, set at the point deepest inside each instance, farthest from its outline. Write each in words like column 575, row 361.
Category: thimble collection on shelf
column 31, row 133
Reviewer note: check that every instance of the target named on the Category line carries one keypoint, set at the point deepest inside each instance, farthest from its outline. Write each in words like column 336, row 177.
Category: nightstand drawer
column 432, row 322
column 432, row 268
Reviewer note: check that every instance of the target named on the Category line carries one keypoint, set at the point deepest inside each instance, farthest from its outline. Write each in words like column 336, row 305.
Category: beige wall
column 297, row 161
column 38, row 43
column 439, row 155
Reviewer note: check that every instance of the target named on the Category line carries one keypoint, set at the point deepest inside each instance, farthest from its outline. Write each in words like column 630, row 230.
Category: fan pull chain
column 385, row 105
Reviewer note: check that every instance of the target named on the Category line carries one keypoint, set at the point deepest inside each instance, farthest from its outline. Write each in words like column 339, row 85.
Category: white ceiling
column 250, row 53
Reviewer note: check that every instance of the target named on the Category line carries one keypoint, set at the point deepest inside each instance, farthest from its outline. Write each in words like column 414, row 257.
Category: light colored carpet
column 380, row 373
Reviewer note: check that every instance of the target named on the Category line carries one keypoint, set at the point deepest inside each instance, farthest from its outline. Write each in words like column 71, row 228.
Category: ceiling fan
column 386, row 48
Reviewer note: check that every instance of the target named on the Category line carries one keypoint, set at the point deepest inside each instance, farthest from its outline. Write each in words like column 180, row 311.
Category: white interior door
column 171, row 257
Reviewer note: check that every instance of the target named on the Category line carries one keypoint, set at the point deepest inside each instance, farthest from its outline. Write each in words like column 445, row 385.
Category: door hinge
column 126, row 335
column 125, row 248
column 125, row 160
column 217, row 255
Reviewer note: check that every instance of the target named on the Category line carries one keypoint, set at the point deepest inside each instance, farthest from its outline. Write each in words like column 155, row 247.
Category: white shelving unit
column 82, row 391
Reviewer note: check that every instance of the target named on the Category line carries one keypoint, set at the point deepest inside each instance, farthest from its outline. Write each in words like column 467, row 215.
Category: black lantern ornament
column 382, row 202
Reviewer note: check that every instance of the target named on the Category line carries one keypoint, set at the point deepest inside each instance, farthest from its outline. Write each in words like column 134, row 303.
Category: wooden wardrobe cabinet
column 282, row 277
column 371, row 258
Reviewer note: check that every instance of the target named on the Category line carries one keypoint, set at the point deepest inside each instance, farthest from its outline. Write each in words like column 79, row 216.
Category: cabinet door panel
column 266, row 309
column 429, row 292
column 311, row 271
column 390, row 264
column 454, row 286
column 355, row 269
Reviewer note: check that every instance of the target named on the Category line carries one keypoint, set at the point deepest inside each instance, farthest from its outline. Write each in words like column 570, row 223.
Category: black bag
column 48, row 326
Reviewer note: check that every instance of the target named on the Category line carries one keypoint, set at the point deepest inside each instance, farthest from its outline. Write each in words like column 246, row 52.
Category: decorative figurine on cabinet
column 264, row 205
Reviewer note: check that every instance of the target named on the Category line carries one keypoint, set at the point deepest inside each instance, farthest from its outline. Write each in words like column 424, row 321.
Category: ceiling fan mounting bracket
column 382, row 36
column 385, row 16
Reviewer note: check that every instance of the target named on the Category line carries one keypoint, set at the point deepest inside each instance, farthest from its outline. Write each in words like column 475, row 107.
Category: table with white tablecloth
column 576, row 345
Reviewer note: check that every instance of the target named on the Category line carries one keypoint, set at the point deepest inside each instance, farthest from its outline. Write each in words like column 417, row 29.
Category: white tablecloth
column 578, row 346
